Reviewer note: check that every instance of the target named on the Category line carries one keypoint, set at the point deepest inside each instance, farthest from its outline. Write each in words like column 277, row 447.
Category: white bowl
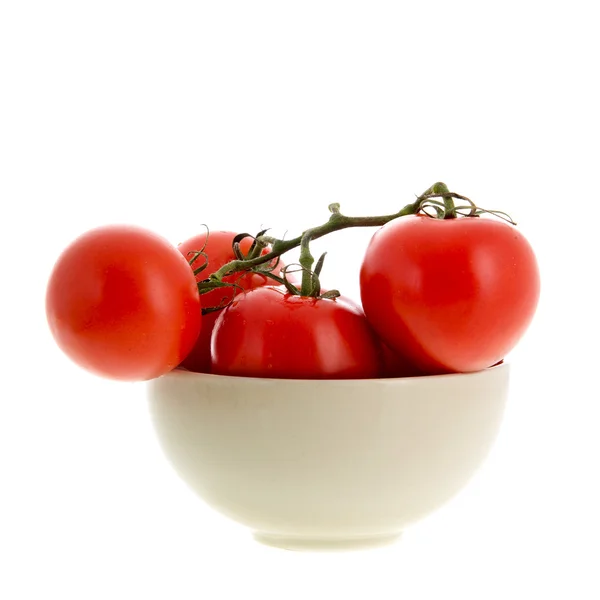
column 329, row 464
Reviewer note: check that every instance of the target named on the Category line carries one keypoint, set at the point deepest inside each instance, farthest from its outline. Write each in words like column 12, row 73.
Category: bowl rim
column 180, row 372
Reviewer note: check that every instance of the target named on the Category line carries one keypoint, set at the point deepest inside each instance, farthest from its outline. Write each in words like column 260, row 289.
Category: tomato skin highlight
column 123, row 303
column 219, row 250
column 270, row 333
column 451, row 295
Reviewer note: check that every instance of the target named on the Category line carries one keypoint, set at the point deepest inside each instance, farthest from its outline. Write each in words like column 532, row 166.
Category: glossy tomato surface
column 269, row 333
column 219, row 250
column 452, row 295
column 123, row 303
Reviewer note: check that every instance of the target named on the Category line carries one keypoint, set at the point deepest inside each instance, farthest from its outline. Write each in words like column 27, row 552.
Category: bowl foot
column 325, row 544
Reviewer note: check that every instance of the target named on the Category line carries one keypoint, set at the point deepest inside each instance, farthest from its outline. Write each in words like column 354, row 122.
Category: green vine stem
column 444, row 209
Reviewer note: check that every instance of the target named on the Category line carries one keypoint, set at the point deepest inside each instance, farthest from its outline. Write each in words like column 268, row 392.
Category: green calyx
column 446, row 208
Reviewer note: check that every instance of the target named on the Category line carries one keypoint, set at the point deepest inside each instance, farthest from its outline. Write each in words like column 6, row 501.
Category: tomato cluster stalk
column 437, row 202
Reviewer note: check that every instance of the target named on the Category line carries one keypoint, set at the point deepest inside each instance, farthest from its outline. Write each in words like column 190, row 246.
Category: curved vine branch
column 254, row 261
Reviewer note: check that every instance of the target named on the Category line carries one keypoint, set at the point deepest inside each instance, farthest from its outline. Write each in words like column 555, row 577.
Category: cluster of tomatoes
column 438, row 296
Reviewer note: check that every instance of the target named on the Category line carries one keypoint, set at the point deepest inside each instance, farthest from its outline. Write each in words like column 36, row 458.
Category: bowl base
column 310, row 544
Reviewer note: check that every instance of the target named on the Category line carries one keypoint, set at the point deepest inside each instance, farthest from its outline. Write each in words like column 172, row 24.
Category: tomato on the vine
column 268, row 332
column 219, row 250
column 446, row 294
column 450, row 295
column 123, row 303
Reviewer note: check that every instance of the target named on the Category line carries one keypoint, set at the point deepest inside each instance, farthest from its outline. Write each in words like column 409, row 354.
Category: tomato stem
column 336, row 222
column 444, row 209
column 306, row 262
column 440, row 189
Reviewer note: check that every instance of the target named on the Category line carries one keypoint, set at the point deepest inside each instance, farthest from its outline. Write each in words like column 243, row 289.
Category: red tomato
column 452, row 295
column 269, row 333
column 123, row 303
column 219, row 251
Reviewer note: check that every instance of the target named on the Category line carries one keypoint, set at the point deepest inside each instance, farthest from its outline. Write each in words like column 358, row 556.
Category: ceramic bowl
column 328, row 464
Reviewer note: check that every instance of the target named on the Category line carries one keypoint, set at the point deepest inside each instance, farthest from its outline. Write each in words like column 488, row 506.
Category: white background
column 243, row 114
